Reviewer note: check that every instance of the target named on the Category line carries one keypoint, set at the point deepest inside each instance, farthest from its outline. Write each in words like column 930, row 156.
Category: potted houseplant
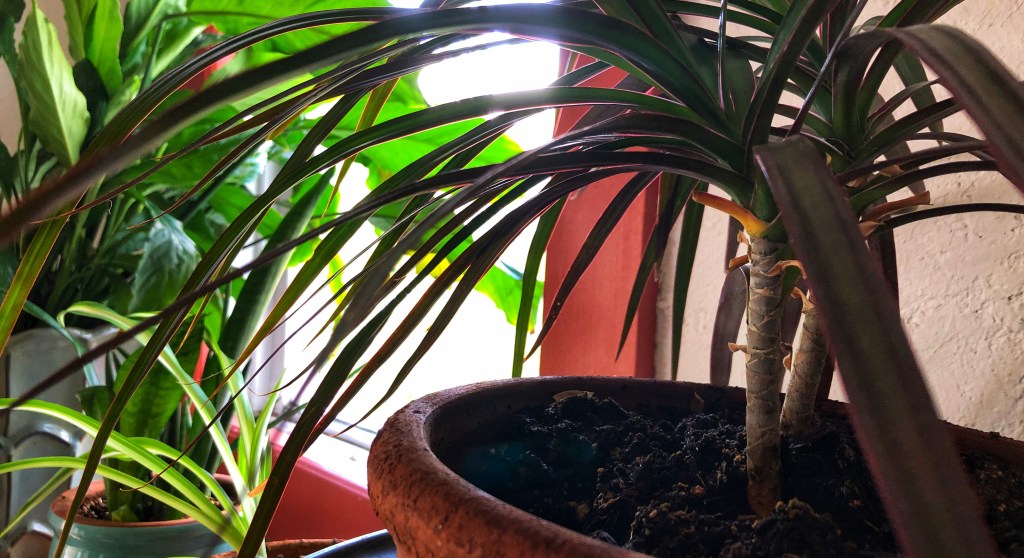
column 132, row 255
column 695, row 112
column 99, row 255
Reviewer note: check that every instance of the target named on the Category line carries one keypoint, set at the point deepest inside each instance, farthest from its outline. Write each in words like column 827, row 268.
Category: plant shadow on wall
column 776, row 103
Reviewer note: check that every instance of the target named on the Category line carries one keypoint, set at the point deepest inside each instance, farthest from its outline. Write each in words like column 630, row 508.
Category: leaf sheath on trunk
column 808, row 362
column 764, row 375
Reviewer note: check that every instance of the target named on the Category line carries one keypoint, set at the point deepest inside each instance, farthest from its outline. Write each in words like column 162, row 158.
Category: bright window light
column 478, row 344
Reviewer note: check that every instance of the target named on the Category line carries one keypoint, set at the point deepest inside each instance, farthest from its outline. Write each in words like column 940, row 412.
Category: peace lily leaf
column 10, row 14
column 96, row 400
column 76, row 16
column 102, row 37
column 141, row 17
column 57, row 109
column 233, row 17
column 168, row 259
column 504, row 286
column 12, row 9
column 152, row 405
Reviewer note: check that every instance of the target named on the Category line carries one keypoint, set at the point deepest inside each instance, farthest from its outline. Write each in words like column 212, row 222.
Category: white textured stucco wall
column 962, row 277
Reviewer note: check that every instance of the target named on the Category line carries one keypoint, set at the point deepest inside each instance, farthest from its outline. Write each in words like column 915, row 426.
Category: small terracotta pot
column 433, row 512
column 290, row 549
column 93, row 538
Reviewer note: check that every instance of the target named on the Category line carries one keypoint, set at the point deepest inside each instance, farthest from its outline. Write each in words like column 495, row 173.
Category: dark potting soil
column 674, row 485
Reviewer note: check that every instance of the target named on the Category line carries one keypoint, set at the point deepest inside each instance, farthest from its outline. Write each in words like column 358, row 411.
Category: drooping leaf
column 732, row 304
column 917, row 468
column 58, row 114
column 689, row 234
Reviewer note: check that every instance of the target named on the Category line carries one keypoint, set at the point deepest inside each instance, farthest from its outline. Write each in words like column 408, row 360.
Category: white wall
column 10, row 125
column 962, row 278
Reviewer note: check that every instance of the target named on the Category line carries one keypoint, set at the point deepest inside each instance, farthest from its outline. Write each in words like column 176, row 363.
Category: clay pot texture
column 433, row 512
column 92, row 538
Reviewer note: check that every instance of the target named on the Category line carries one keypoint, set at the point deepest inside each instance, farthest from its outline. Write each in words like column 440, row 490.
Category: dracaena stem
column 808, row 361
column 764, row 375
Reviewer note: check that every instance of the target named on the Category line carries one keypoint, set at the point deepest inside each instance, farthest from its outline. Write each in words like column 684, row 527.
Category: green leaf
column 912, row 73
column 12, row 9
column 233, row 17
column 76, row 16
column 981, row 83
column 504, row 286
column 141, row 17
column 57, row 109
column 168, row 259
column 151, row 407
column 89, row 82
column 7, row 168
column 96, row 400
column 102, row 41
column 10, row 14
column 259, row 287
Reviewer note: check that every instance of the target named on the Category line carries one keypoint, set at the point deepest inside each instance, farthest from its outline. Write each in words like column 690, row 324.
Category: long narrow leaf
column 917, row 468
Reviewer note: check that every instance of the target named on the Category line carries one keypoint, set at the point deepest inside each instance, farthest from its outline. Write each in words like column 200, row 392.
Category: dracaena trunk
column 764, row 375
column 808, row 362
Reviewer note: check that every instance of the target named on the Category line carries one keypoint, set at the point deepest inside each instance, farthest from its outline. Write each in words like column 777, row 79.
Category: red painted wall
column 318, row 504
column 585, row 339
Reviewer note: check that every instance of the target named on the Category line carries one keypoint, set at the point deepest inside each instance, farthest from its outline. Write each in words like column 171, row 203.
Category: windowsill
column 326, row 495
column 343, row 456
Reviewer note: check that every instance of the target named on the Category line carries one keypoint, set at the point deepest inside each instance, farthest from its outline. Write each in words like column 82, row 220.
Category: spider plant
column 706, row 88
column 131, row 253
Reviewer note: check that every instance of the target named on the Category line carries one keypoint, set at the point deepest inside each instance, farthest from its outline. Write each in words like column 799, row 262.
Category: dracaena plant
column 706, row 89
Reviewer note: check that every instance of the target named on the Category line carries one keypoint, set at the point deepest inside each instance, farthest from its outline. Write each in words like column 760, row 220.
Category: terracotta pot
column 432, row 512
column 290, row 549
column 93, row 538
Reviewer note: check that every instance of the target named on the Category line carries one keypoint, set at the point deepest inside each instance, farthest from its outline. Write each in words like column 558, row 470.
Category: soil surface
column 674, row 485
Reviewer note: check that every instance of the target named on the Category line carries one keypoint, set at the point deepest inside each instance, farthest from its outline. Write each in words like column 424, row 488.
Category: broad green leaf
column 57, row 109
column 152, row 405
column 90, row 83
column 233, row 17
column 10, row 14
column 96, row 400
column 140, row 19
column 230, row 201
column 102, row 41
column 76, row 16
column 504, row 286
column 167, row 260
column 12, row 9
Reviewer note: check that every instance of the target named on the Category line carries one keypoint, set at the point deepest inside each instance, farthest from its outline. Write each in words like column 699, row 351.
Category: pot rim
column 62, row 505
column 405, row 449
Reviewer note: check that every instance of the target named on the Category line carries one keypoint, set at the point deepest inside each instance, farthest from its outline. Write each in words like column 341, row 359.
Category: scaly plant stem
column 808, row 362
column 764, row 375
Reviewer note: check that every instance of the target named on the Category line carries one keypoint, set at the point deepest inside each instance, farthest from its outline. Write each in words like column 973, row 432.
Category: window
column 477, row 346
